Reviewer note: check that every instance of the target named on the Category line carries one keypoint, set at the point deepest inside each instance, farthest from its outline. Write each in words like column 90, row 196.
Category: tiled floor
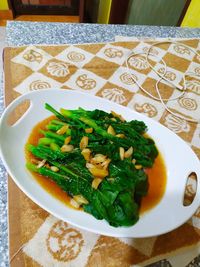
column 45, row 18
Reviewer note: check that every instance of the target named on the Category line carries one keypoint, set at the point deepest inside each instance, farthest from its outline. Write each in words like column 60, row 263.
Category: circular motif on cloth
column 63, row 242
column 38, row 84
column 188, row 103
column 127, row 78
column 75, row 56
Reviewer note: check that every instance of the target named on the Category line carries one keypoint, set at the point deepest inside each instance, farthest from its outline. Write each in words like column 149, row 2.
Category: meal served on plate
column 119, row 197
column 100, row 160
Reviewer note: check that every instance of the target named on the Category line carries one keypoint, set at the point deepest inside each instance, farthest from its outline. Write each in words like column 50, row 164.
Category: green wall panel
column 155, row 12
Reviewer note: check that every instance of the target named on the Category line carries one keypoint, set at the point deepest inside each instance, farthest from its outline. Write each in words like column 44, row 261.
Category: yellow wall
column 3, row 5
column 192, row 16
column 104, row 11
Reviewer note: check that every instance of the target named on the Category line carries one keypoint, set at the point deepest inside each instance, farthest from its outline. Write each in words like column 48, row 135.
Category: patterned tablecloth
column 100, row 69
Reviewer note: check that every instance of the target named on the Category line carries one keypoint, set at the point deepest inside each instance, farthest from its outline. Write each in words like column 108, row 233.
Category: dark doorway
column 47, row 7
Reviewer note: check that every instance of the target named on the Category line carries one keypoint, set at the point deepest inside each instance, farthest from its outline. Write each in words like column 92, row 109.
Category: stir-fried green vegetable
column 98, row 159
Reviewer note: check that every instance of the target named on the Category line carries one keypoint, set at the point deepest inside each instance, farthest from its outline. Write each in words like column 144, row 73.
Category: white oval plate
column 179, row 159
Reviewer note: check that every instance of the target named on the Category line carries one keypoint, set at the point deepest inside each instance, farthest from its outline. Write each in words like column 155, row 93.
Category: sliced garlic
column 80, row 199
column 86, row 152
column 63, row 129
column 111, row 130
column 41, row 163
column 67, row 148
column 121, row 153
column 74, row 203
column 89, row 130
column 84, row 142
column 67, row 140
column 96, row 182
column 54, row 168
column 138, row 167
column 129, row 152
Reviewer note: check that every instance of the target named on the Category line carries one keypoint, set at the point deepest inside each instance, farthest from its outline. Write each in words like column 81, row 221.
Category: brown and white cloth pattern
column 100, row 69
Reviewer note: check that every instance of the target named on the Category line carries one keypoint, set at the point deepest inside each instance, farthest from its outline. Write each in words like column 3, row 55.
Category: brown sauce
column 157, row 183
column 156, row 176
column 49, row 185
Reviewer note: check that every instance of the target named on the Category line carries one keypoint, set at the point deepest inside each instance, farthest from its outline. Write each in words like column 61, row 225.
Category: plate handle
column 16, row 111
column 196, row 198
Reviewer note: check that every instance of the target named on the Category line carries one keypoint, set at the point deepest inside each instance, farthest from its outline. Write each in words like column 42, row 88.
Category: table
column 25, row 33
